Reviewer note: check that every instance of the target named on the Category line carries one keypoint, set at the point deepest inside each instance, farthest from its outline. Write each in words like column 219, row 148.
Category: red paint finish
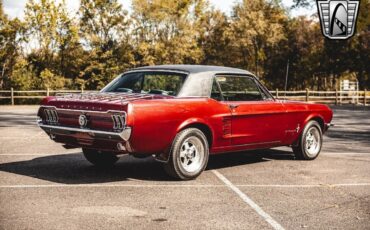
column 155, row 121
column 254, row 122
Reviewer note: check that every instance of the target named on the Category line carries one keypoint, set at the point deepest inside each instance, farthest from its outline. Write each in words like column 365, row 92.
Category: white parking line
column 345, row 153
column 181, row 185
column 301, row 185
column 67, row 152
column 17, row 115
column 249, row 201
column 113, row 185
column 28, row 137
column 29, row 154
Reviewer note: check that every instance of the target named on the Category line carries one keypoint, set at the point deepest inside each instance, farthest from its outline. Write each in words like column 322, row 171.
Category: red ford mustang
column 180, row 114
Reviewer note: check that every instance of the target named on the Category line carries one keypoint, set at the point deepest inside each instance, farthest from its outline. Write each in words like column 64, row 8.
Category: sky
column 15, row 8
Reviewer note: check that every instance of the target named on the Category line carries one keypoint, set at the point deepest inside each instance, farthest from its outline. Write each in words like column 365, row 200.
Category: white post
column 12, row 95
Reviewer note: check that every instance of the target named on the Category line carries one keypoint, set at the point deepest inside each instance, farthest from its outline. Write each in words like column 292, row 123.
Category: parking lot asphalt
column 44, row 186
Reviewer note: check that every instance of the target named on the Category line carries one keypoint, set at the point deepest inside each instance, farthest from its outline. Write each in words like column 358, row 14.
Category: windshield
column 163, row 83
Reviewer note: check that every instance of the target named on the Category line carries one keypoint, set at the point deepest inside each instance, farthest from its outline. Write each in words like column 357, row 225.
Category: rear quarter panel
column 156, row 122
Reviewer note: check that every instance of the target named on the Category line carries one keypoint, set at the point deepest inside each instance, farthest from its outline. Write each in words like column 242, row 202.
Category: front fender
column 312, row 117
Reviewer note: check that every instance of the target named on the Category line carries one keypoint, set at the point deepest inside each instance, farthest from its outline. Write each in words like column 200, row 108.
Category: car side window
column 216, row 94
column 239, row 88
column 264, row 95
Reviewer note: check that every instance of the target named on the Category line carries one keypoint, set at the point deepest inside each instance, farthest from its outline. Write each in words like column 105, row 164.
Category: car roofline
column 192, row 69
column 156, row 70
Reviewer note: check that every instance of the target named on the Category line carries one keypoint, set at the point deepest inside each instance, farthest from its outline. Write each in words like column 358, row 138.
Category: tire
column 100, row 158
column 189, row 155
column 309, row 142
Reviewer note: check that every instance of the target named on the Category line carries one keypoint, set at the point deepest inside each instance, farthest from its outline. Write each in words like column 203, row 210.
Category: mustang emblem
column 82, row 120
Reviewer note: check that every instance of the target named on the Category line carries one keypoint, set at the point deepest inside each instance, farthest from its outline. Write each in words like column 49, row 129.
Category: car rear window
column 163, row 83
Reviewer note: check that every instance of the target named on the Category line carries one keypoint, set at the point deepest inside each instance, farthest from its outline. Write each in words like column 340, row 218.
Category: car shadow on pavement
column 361, row 137
column 74, row 169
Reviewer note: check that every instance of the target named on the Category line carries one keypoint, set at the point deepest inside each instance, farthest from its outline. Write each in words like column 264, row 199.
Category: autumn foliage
column 53, row 48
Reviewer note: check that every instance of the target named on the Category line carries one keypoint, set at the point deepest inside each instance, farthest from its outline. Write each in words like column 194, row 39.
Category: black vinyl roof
column 191, row 69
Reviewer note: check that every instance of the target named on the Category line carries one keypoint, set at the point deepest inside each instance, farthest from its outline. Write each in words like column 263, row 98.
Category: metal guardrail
column 326, row 97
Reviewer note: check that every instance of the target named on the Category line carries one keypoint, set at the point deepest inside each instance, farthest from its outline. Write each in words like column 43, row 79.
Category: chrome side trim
column 258, row 143
column 62, row 130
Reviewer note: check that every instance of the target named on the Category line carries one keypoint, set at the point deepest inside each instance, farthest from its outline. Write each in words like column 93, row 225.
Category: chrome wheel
column 312, row 142
column 191, row 154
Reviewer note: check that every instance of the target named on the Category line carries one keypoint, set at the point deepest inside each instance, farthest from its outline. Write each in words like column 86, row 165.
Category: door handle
column 233, row 106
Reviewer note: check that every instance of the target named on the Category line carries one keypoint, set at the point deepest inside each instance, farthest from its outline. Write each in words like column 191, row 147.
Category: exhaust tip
column 121, row 147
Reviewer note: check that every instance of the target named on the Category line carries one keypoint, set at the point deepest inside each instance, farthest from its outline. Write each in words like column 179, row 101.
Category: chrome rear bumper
column 62, row 130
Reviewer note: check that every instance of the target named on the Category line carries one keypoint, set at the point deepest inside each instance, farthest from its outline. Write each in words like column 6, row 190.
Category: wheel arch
column 192, row 123
column 313, row 117
column 318, row 118
column 202, row 126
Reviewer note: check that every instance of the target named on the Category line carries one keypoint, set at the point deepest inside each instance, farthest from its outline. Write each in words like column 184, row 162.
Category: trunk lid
column 98, row 108
column 98, row 101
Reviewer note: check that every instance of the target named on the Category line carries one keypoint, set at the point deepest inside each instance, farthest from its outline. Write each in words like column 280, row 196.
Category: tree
column 303, row 48
column 51, row 48
column 70, row 51
column 10, row 36
column 23, row 76
column 103, row 29
column 52, row 39
column 360, row 47
column 216, row 38
column 167, row 31
column 255, row 25
column 41, row 19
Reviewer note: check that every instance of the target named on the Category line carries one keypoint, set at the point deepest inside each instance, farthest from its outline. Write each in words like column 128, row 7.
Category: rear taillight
column 119, row 121
column 51, row 116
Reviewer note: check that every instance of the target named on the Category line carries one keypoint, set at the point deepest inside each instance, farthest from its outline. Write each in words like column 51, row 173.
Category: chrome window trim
column 264, row 89
column 155, row 70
